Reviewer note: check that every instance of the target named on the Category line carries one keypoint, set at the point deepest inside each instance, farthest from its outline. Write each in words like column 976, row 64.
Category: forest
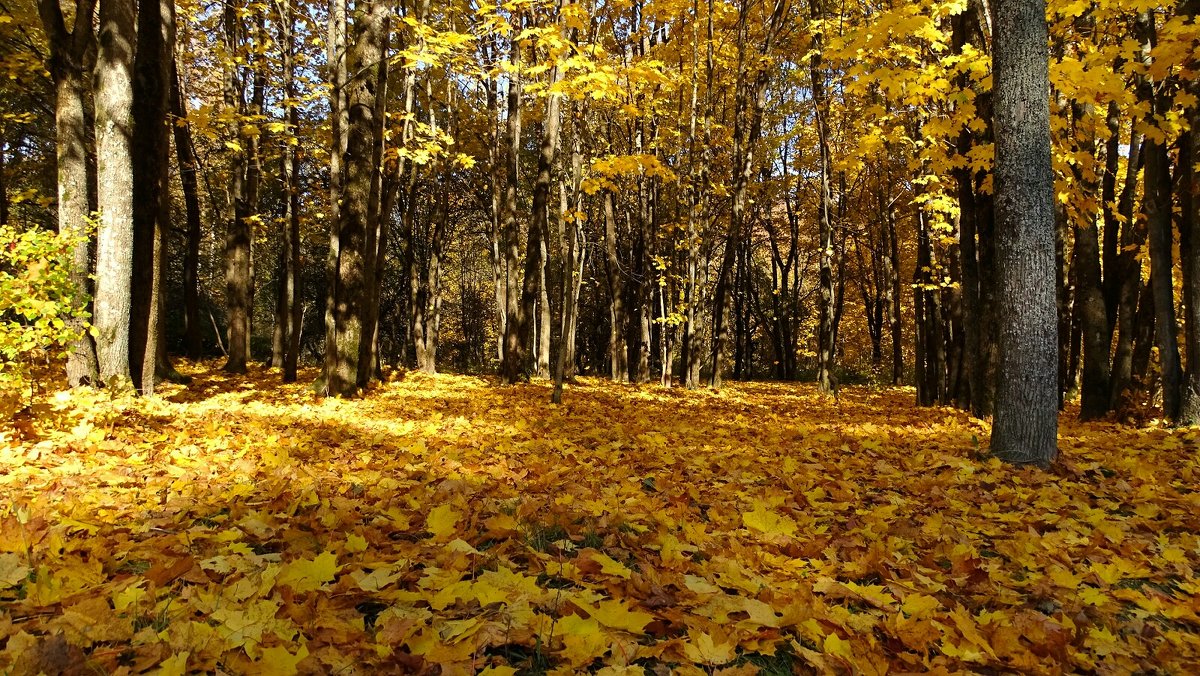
column 601, row 336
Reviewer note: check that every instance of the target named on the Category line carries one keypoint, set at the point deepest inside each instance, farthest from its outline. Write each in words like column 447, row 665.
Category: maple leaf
column 12, row 570
column 175, row 665
column 583, row 639
column 617, row 615
column 767, row 521
column 705, row 649
column 305, row 575
column 442, row 521
column 279, row 661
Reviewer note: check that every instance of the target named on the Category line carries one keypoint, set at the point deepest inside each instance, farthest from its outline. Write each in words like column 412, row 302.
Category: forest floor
column 241, row 526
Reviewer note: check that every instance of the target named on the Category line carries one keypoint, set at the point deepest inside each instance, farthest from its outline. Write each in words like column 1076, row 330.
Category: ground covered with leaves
column 444, row 522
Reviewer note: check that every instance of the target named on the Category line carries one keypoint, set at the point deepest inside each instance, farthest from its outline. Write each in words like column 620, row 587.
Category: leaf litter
column 446, row 524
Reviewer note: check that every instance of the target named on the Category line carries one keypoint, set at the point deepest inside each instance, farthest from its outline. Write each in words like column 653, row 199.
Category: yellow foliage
column 244, row 526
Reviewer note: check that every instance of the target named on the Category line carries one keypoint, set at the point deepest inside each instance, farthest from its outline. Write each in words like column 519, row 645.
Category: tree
column 68, row 51
column 152, row 200
column 364, row 132
column 114, row 179
column 1026, row 418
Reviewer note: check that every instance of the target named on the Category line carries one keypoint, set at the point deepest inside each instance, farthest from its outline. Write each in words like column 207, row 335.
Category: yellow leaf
column 356, row 543
column 175, row 665
column 699, row 585
column 610, row 566
column 12, row 571
column 768, row 521
column 305, row 575
column 836, row 645
column 277, row 661
column 920, row 605
column 441, row 521
column 616, row 614
column 702, row 647
column 583, row 639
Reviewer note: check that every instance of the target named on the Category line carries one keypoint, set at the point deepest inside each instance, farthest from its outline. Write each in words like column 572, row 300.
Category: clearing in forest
column 246, row 527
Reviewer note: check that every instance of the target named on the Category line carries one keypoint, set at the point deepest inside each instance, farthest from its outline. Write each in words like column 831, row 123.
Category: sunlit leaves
column 441, row 518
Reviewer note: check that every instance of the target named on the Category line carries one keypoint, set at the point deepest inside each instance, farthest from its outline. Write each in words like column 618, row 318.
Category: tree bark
column 67, row 52
column 826, row 382
column 191, row 200
column 114, row 181
column 1026, row 409
column 514, row 349
column 152, row 200
column 618, row 355
column 339, row 124
column 536, row 289
column 1156, row 209
column 292, row 314
column 1189, row 222
column 364, row 130
column 1093, row 312
column 239, row 233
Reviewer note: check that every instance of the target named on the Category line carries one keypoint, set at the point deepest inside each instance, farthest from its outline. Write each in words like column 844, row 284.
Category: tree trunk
column 971, row 207
column 239, row 232
column 151, row 169
column 191, row 200
column 1156, row 209
column 67, row 51
column 514, row 348
column 114, row 181
column 1093, row 312
column 363, row 131
column 1026, row 415
column 826, row 382
column 373, row 262
column 537, row 252
column 618, row 355
column 1189, row 221
column 339, row 123
column 894, row 312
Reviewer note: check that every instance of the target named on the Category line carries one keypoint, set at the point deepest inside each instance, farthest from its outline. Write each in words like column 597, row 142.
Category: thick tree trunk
column 151, row 169
column 373, row 263
column 339, row 123
column 114, row 181
column 239, row 232
column 1026, row 415
column 536, row 289
column 364, row 130
column 67, row 51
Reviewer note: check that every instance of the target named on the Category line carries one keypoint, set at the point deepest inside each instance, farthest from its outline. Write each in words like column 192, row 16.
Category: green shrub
column 38, row 304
